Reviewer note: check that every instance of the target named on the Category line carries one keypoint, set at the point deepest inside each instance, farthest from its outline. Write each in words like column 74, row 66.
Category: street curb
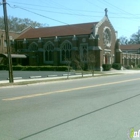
column 15, row 78
column 32, row 77
column 52, row 75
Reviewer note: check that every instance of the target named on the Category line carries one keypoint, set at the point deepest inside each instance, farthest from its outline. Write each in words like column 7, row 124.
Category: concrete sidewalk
column 49, row 78
column 78, row 75
column 113, row 71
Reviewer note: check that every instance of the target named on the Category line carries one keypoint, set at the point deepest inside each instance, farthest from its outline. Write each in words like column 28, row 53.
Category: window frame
column 45, row 49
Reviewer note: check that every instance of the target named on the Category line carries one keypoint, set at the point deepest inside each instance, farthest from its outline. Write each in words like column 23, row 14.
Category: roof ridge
column 67, row 25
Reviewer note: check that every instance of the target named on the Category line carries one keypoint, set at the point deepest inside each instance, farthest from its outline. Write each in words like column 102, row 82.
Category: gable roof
column 25, row 30
column 75, row 29
column 130, row 47
column 105, row 18
column 12, row 34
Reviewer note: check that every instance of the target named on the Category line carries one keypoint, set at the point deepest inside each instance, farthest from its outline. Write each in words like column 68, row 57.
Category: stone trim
column 96, row 48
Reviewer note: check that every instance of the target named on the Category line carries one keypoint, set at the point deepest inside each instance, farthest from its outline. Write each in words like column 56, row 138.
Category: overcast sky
column 123, row 14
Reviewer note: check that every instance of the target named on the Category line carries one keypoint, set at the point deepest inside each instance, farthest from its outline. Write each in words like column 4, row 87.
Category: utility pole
column 8, row 43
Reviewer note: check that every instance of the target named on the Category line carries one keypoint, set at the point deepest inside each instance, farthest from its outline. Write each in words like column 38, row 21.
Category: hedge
column 3, row 67
column 138, row 66
column 116, row 66
column 106, row 67
column 40, row 68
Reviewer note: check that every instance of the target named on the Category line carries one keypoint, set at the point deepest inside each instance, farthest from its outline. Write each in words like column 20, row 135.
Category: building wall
column 80, row 45
column 131, row 51
column 12, row 36
column 129, row 59
column 107, row 52
column 76, row 43
column 113, row 36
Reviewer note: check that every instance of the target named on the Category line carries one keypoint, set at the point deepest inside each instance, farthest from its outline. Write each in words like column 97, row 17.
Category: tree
column 19, row 24
column 85, row 62
column 77, row 62
column 68, row 63
column 91, row 62
column 123, row 40
column 135, row 38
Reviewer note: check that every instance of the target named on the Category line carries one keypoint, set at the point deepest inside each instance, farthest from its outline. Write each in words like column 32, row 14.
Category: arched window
column 84, row 52
column 48, row 52
column 65, row 55
column 33, row 46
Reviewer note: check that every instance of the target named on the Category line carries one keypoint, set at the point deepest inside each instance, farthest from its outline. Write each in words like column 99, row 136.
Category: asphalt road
column 101, row 108
column 26, row 74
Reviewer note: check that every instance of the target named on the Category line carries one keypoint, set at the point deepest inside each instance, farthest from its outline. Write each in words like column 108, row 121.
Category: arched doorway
column 107, row 58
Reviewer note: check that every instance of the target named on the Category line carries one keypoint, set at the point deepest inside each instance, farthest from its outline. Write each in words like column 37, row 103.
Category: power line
column 135, row 18
column 26, row 9
column 93, row 3
column 68, row 9
column 60, row 8
column 40, row 15
column 44, row 16
column 73, row 14
column 64, row 8
column 118, row 7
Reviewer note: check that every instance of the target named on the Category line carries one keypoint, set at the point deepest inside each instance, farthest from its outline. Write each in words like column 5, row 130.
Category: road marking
column 67, row 90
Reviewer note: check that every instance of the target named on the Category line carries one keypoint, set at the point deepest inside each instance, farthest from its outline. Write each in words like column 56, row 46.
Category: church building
column 59, row 44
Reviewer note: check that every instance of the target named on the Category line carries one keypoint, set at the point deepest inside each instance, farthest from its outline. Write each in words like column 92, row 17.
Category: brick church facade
column 55, row 45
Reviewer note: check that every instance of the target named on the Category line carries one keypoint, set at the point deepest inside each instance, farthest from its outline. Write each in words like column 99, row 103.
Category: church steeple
column 106, row 12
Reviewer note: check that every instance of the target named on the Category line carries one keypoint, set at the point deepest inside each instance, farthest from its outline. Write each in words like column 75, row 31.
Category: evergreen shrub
column 106, row 67
column 116, row 66
column 40, row 68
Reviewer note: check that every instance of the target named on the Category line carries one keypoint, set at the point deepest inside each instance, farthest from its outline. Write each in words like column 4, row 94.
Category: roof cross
column 106, row 12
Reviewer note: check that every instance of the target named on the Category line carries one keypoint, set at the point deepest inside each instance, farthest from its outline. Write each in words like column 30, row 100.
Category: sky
column 124, row 15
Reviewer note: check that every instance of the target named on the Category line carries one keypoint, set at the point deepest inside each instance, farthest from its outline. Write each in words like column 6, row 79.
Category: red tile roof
column 75, row 29
column 130, row 47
